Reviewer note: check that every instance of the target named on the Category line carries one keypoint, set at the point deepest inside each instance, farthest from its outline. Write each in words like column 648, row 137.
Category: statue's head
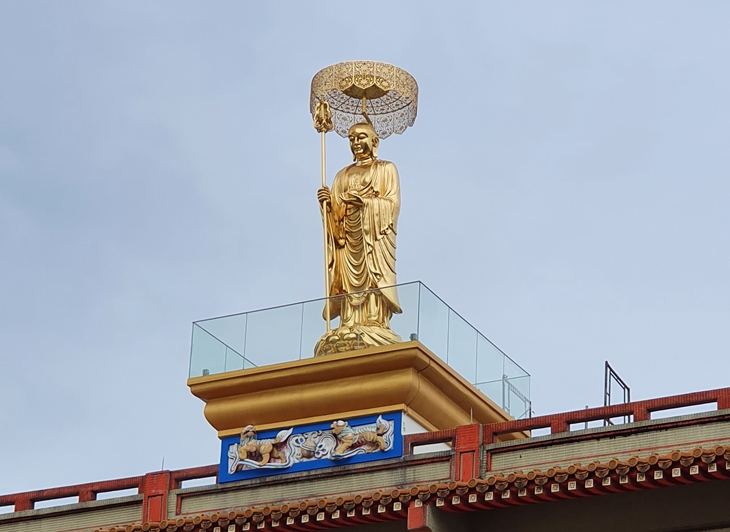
column 363, row 141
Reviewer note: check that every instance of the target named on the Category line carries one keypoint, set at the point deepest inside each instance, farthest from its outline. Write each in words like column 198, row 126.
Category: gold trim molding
column 403, row 377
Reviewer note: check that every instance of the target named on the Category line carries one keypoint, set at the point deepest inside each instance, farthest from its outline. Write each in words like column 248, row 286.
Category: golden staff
column 323, row 124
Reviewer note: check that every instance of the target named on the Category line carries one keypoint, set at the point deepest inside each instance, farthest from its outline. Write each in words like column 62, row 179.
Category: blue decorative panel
column 308, row 447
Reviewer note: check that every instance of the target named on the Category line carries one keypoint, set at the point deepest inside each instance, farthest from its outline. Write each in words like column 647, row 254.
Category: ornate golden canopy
column 388, row 93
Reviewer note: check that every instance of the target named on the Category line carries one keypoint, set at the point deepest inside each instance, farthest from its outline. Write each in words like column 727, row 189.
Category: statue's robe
column 361, row 246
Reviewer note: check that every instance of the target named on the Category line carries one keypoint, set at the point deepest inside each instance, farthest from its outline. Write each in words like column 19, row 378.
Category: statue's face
column 363, row 141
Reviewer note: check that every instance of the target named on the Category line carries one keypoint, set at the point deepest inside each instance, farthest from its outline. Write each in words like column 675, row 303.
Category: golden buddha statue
column 362, row 215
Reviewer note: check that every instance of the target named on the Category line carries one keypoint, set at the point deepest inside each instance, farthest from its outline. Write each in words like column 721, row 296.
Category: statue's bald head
column 363, row 140
column 363, row 126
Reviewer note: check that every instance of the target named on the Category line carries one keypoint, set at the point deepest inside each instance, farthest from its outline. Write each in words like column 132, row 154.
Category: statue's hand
column 323, row 195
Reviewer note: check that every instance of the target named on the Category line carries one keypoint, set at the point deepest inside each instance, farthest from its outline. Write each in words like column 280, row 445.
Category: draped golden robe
column 361, row 257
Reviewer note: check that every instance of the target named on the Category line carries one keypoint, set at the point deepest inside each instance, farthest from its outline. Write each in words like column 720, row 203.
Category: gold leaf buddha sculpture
column 362, row 217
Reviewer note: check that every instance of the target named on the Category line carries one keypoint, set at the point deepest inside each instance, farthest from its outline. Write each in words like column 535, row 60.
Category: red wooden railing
column 557, row 423
column 147, row 485
column 465, row 440
column 640, row 410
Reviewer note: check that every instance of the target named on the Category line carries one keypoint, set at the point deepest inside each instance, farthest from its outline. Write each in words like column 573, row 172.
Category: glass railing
column 290, row 332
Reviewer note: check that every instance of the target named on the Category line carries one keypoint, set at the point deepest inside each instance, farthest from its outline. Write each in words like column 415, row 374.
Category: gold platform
column 404, row 377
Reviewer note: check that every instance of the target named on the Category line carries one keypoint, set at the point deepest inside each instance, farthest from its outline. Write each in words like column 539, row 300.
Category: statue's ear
column 376, row 141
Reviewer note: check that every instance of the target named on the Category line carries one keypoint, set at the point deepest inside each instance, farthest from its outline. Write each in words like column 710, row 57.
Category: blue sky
column 564, row 188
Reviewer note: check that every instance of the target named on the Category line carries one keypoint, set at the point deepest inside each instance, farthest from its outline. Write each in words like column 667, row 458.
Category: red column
column 87, row 496
column 22, row 504
column 466, row 447
column 418, row 518
column 723, row 399
column 641, row 413
column 559, row 425
column 154, row 487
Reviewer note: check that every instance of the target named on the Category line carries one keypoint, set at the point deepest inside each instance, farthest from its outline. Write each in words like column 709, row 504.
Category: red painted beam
column 557, row 423
column 641, row 410
column 179, row 476
column 88, row 491
column 26, row 500
column 427, row 438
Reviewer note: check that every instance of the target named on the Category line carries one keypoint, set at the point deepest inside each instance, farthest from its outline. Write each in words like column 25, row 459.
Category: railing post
column 87, row 496
column 641, row 413
column 489, row 436
column 559, row 425
column 467, row 450
column 23, row 503
column 723, row 399
column 155, row 488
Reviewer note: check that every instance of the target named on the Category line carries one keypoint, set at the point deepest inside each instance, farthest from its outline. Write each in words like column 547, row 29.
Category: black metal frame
column 610, row 376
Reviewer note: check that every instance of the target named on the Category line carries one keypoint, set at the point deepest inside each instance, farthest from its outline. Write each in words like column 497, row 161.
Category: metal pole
column 323, row 123
column 325, row 217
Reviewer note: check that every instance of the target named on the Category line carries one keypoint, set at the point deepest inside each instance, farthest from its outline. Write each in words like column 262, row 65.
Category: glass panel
column 517, row 403
column 208, row 353
column 274, row 335
column 235, row 361
column 288, row 333
column 406, row 324
column 313, row 326
column 230, row 330
column 489, row 361
column 433, row 323
column 512, row 369
column 462, row 347
column 493, row 390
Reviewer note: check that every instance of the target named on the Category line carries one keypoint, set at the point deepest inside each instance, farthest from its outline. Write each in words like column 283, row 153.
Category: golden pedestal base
column 403, row 377
column 346, row 340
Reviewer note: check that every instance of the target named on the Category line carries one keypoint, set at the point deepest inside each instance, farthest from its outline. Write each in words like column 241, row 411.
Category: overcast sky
column 565, row 188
